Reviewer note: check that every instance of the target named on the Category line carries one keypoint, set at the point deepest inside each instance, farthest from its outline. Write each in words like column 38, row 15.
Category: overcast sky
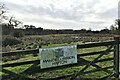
column 64, row 14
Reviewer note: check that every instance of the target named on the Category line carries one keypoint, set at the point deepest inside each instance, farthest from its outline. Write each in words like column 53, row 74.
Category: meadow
column 53, row 40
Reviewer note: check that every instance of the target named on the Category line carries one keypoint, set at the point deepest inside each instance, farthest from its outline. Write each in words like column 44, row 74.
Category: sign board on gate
column 52, row 57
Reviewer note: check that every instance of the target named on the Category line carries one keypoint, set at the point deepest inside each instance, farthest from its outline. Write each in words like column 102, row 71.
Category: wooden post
column 116, row 57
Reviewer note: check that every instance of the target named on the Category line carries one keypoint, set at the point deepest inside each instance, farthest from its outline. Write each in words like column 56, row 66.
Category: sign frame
column 57, row 56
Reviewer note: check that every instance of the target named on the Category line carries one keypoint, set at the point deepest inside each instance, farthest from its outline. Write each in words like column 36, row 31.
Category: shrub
column 18, row 34
column 6, row 29
column 9, row 40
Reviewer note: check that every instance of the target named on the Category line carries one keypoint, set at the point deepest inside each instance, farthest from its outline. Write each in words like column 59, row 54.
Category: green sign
column 58, row 56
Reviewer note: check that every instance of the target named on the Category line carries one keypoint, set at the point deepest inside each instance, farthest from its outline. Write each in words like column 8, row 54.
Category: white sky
column 64, row 14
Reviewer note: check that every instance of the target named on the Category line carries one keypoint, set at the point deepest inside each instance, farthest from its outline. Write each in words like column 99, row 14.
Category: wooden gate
column 99, row 61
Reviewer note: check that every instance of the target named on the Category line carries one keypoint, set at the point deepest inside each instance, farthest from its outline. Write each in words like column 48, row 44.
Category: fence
column 112, row 70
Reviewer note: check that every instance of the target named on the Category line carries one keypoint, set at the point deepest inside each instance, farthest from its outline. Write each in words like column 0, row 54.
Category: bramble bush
column 18, row 34
column 10, row 40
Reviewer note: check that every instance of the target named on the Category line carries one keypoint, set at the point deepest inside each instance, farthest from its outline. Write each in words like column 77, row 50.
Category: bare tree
column 14, row 22
column 3, row 10
column 117, row 24
column 11, row 21
column 115, row 28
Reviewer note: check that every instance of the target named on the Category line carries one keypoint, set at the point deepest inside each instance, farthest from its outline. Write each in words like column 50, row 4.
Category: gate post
column 116, row 56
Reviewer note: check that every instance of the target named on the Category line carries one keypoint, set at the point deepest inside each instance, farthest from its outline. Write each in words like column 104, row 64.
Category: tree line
column 32, row 30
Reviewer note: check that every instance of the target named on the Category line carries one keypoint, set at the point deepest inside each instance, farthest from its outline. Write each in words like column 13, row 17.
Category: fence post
column 116, row 57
